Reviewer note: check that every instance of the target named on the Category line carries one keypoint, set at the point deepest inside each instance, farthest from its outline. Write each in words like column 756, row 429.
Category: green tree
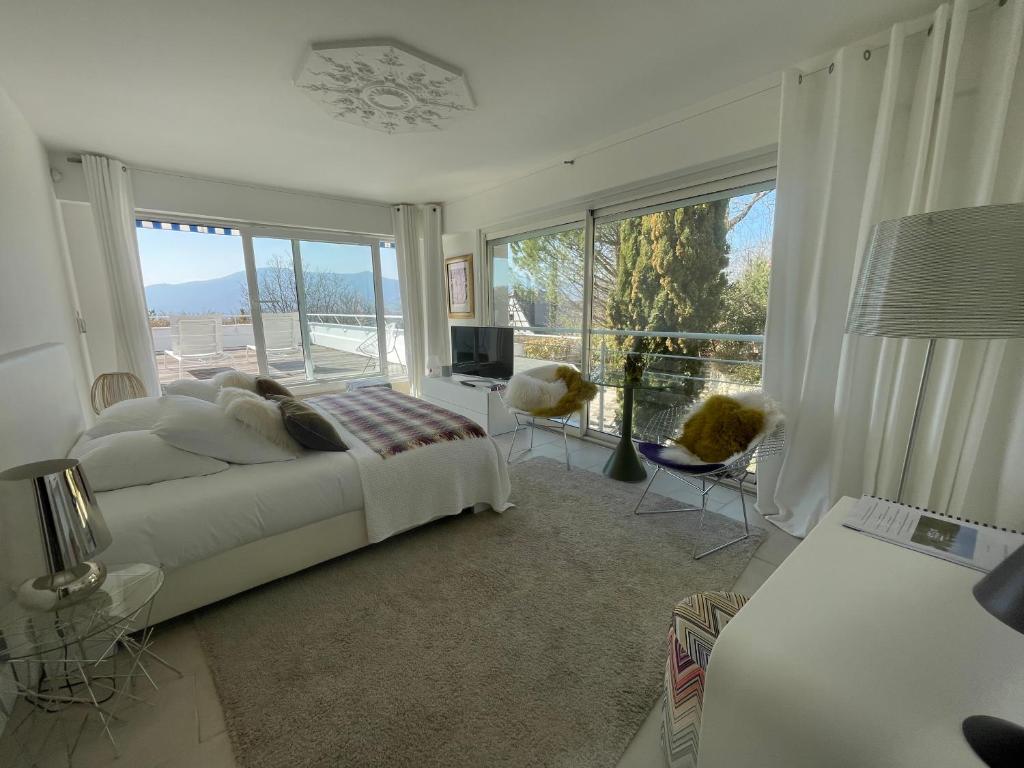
column 745, row 311
column 670, row 277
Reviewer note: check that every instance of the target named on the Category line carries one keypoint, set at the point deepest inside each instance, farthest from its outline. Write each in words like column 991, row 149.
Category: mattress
column 178, row 522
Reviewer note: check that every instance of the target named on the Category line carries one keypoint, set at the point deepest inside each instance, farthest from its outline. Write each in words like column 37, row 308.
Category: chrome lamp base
column 64, row 587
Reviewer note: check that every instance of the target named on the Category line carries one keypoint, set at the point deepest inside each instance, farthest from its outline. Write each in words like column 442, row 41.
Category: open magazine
column 975, row 545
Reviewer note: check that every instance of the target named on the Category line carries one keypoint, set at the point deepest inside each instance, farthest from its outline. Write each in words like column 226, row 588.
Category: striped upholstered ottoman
column 696, row 624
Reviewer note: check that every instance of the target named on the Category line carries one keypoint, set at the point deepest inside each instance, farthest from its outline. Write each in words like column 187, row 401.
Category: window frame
column 295, row 235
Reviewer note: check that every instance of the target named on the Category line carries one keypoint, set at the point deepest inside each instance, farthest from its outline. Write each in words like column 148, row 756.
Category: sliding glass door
column 273, row 301
column 683, row 281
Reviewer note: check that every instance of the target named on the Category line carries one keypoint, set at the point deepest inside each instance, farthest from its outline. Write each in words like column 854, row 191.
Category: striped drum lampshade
column 956, row 274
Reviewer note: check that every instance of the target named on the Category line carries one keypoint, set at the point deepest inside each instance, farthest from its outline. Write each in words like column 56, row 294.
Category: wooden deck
column 329, row 364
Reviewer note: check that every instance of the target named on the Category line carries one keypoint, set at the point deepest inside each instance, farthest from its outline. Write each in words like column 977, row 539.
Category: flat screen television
column 482, row 351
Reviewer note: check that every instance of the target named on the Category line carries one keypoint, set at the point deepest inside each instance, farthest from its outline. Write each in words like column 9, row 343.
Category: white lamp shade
column 954, row 274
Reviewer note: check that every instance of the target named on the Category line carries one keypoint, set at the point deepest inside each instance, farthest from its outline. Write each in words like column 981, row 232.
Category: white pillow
column 200, row 427
column 204, row 390
column 264, row 417
column 140, row 413
column 235, row 379
column 124, row 459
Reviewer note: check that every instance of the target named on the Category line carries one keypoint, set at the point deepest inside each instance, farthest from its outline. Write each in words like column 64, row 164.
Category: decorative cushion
column 199, row 427
column 696, row 623
column 671, row 457
column 228, row 395
column 269, row 387
column 720, row 428
column 309, row 429
column 235, row 379
column 124, row 459
column 204, row 390
column 549, row 391
column 263, row 417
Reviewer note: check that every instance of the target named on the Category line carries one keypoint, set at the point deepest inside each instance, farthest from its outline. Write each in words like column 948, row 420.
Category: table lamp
column 954, row 274
column 50, row 526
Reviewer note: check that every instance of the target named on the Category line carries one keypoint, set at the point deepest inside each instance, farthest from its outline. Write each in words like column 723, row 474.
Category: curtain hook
column 831, row 67
column 800, row 79
column 931, row 28
column 867, row 54
column 1002, row 3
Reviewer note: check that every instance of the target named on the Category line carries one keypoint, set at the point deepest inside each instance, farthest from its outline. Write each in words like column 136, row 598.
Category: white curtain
column 420, row 268
column 435, row 297
column 931, row 118
column 109, row 184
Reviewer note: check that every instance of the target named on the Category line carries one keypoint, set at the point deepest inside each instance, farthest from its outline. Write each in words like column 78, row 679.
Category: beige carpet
column 531, row 638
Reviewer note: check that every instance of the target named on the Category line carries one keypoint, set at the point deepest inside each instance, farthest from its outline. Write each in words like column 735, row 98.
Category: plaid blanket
column 390, row 423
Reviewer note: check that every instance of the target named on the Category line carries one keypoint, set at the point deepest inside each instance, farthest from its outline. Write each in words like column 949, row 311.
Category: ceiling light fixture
column 383, row 85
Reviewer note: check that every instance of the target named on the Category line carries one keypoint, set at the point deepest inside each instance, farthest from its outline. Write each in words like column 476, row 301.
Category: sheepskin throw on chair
column 550, row 391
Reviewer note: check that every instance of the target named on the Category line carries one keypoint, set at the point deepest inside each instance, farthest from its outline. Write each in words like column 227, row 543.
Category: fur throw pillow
column 263, row 417
column 228, row 395
column 235, row 379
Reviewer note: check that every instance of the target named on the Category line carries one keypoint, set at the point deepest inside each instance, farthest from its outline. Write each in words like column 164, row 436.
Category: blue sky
column 169, row 256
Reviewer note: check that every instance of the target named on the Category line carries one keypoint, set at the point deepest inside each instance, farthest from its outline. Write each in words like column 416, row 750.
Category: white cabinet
column 476, row 403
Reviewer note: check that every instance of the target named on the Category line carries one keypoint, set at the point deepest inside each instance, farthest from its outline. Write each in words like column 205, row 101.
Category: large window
column 303, row 309
column 538, row 288
column 685, row 284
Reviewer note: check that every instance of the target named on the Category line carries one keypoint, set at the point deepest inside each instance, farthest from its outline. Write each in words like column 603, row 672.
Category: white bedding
column 427, row 483
column 178, row 522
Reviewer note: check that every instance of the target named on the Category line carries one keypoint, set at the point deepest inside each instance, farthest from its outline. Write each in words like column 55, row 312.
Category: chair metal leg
column 565, row 442
column 533, row 428
column 511, row 445
column 700, row 528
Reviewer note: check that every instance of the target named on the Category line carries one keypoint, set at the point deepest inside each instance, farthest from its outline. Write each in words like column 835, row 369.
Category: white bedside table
column 858, row 653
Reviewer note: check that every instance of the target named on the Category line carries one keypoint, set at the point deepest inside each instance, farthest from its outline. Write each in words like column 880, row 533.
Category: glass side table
column 624, row 464
column 55, row 655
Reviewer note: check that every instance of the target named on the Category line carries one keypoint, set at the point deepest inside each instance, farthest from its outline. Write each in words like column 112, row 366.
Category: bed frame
column 47, row 420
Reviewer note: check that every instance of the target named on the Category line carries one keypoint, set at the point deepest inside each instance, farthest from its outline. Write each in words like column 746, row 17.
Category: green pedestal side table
column 624, row 464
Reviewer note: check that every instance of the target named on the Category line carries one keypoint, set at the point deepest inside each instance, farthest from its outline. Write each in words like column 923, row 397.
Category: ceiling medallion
column 383, row 85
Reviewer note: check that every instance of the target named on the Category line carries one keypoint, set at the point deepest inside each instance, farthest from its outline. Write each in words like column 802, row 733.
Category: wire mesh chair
column 527, row 420
column 702, row 478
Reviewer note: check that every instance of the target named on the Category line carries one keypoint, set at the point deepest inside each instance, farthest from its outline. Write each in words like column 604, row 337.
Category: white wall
column 740, row 123
column 35, row 295
column 175, row 194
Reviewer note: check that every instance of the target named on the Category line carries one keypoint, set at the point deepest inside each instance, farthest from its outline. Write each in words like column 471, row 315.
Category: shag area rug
column 531, row 638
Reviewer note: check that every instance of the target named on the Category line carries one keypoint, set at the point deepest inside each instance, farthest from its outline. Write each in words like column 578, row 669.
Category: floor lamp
column 955, row 274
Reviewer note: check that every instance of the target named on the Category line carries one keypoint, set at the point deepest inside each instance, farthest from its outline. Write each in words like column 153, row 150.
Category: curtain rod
column 913, row 27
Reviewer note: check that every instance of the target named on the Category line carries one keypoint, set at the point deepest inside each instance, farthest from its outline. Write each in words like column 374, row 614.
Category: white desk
column 858, row 653
column 476, row 403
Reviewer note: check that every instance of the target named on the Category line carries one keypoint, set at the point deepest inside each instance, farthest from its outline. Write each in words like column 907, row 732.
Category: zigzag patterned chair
column 696, row 624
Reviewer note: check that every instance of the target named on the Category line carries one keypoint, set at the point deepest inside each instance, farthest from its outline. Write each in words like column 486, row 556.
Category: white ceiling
column 204, row 87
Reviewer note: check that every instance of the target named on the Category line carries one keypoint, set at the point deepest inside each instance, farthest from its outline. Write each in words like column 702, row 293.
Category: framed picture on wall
column 458, row 275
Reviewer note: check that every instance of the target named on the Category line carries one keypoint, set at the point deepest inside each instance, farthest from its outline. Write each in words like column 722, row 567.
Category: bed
column 408, row 463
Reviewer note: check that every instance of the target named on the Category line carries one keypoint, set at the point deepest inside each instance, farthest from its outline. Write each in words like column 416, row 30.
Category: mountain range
column 227, row 295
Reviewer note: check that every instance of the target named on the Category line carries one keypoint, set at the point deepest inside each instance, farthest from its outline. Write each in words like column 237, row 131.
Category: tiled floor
column 183, row 725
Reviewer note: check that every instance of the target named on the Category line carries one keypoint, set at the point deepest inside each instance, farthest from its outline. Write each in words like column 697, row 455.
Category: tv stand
column 477, row 403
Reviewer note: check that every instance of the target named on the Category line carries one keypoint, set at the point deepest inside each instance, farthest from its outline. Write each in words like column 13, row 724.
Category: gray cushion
column 307, row 427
